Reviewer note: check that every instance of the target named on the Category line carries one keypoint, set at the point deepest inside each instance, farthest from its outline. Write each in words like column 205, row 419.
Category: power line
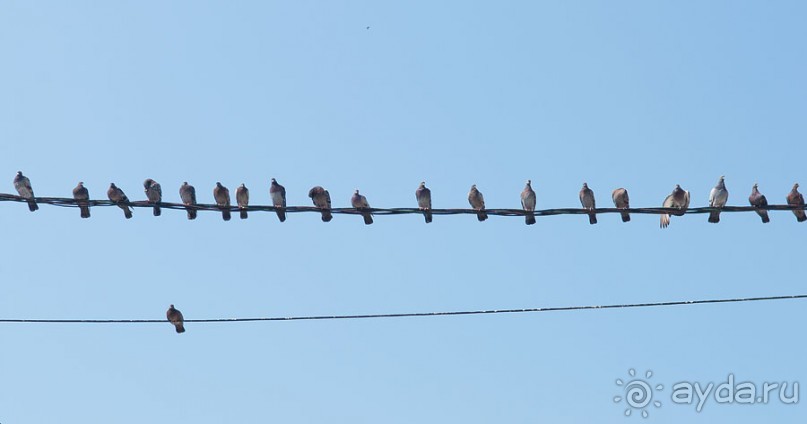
column 67, row 202
column 413, row 314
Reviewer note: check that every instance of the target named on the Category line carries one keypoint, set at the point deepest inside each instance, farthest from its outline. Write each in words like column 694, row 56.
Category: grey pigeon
column 794, row 198
column 758, row 200
column 82, row 197
column 23, row 186
column 278, row 194
column 424, row 198
column 116, row 195
column 175, row 317
column 242, row 198
column 154, row 194
column 587, row 200
column 477, row 202
column 717, row 199
column 222, row 197
column 360, row 202
column 528, row 203
column 679, row 199
column 621, row 201
column 188, row 196
column 322, row 200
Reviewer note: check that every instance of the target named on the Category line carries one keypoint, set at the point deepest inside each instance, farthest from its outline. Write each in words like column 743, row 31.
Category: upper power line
column 676, row 203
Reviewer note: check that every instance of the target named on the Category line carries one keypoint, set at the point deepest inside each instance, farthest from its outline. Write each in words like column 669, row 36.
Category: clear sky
column 638, row 94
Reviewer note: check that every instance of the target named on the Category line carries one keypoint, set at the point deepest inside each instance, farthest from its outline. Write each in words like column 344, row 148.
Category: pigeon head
column 357, row 191
column 218, row 184
column 529, row 182
column 171, row 307
column 274, row 181
column 81, row 183
column 19, row 173
column 112, row 185
column 242, row 185
column 585, row 185
column 422, row 184
column 796, row 186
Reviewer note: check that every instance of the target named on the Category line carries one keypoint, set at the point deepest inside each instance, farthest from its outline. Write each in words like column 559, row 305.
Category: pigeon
column 717, row 199
column 679, row 198
column 242, row 198
column 23, row 186
column 528, row 203
column 175, row 317
column 322, row 200
column 794, row 198
column 116, row 195
column 278, row 194
column 360, row 202
column 424, row 198
column 587, row 200
column 477, row 202
column 222, row 197
column 188, row 195
column 154, row 193
column 621, row 201
column 758, row 200
column 82, row 197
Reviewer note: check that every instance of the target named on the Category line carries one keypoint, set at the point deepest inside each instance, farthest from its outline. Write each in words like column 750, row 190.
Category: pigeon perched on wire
column 322, row 200
column 188, row 196
column 222, row 197
column 424, row 198
column 278, row 194
column 528, row 203
column 82, row 197
column 360, row 202
column 621, row 201
column 154, row 194
column 587, row 200
column 679, row 199
column 758, row 200
column 117, row 196
column 175, row 317
column 794, row 198
column 23, row 186
column 717, row 199
column 477, row 202
column 242, row 199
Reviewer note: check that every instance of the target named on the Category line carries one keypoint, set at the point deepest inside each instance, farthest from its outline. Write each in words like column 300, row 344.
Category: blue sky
column 643, row 95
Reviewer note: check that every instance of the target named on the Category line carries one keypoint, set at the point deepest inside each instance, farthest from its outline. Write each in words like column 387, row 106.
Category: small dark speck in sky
column 368, row 28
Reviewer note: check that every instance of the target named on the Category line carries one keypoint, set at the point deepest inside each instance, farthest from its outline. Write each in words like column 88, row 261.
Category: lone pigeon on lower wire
column 175, row 317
